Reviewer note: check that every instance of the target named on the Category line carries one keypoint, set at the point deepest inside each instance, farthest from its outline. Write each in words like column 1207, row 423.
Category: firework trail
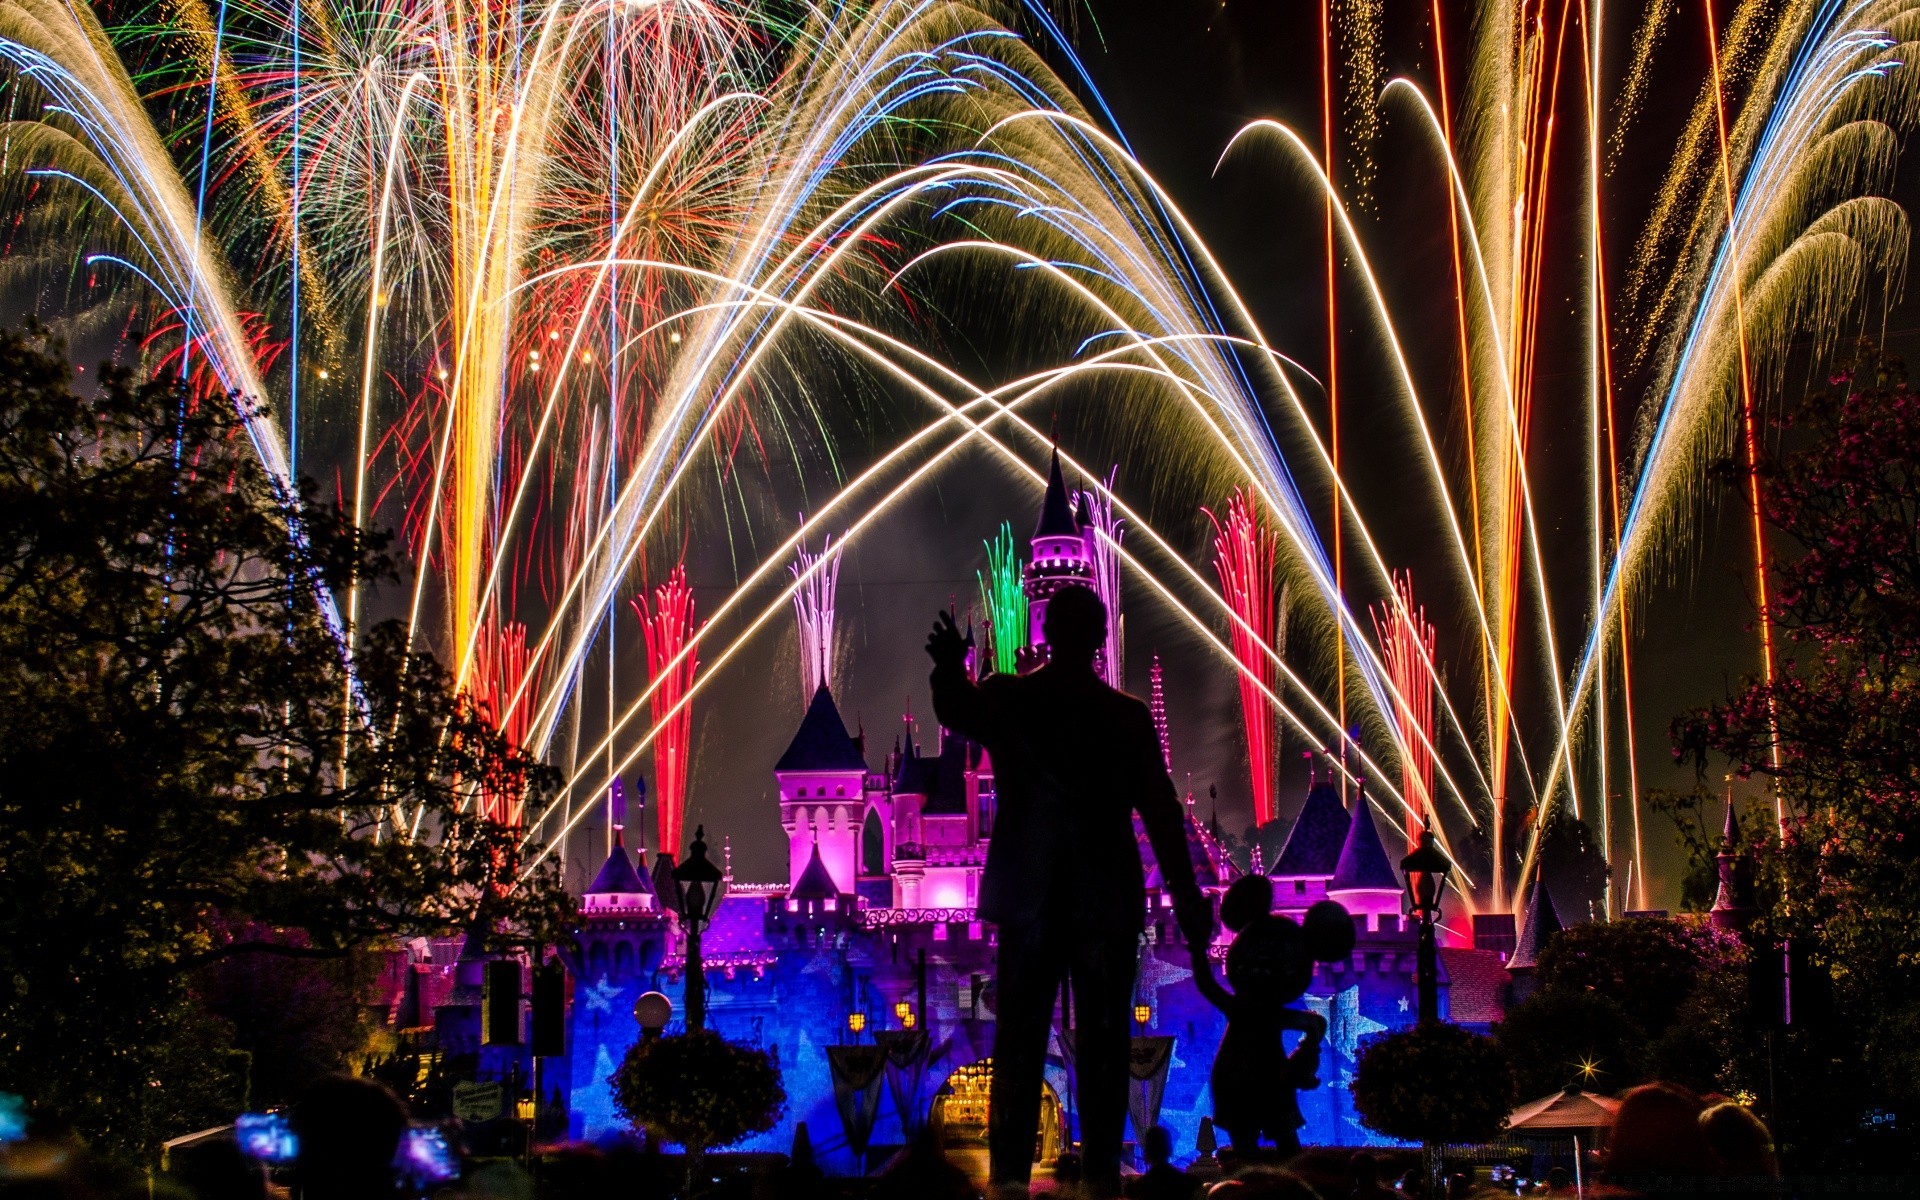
column 1003, row 597
column 1244, row 554
column 1097, row 510
column 548, row 277
column 813, row 611
column 669, row 627
column 1406, row 643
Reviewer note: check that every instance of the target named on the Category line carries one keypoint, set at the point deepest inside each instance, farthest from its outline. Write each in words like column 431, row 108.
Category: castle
column 874, row 933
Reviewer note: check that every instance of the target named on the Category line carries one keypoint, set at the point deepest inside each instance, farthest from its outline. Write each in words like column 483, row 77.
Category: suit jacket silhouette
column 1073, row 760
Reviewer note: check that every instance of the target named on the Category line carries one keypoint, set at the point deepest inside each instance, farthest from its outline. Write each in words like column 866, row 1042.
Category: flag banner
column 1147, row 1081
column 858, row 1072
column 907, row 1052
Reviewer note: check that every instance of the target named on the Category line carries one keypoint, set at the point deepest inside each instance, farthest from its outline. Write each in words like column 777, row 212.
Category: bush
column 699, row 1089
column 1433, row 1083
column 1551, row 1037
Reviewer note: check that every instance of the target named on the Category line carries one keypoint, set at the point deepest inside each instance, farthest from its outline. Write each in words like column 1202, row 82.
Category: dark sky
column 1181, row 76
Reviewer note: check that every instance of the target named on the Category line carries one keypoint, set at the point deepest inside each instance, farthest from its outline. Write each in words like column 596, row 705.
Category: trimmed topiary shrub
column 1433, row 1083
column 699, row 1090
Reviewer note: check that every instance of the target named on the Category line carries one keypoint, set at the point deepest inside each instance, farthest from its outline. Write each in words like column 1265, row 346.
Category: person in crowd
column 1656, row 1144
column 1161, row 1180
column 922, row 1172
column 1365, row 1170
column 1262, row 1182
column 1742, row 1149
column 217, row 1170
column 349, row 1132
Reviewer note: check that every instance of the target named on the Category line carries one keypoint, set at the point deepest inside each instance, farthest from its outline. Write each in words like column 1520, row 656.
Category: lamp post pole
column 1428, row 965
column 1426, row 870
column 695, row 897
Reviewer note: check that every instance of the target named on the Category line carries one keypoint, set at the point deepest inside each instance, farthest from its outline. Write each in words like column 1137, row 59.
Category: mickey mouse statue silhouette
column 1270, row 964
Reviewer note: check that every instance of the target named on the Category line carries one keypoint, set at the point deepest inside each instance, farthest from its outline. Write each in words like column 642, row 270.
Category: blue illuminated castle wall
column 885, row 854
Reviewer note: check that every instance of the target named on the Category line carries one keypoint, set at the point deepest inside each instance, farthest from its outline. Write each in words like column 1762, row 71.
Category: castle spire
column 1056, row 511
column 1730, row 910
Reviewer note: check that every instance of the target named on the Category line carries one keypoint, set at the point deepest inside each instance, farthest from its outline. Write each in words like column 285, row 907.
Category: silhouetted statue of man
column 1073, row 760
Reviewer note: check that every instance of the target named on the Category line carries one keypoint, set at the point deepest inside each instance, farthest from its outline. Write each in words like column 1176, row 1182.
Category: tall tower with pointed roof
column 1732, row 907
column 822, row 779
column 1061, row 554
column 1363, row 878
column 1157, row 704
column 1540, row 922
column 1305, row 864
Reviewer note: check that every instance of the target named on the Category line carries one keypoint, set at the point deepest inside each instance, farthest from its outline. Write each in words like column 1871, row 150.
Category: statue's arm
column 1159, row 807
column 970, row 710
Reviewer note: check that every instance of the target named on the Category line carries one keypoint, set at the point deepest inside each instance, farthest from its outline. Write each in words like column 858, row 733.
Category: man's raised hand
column 946, row 645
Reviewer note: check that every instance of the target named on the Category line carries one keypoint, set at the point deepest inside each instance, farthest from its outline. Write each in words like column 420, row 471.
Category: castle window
column 830, row 904
column 840, row 791
column 1299, row 887
column 793, row 906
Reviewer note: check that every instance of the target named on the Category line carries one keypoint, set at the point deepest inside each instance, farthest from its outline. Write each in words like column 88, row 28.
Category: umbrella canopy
column 1571, row 1109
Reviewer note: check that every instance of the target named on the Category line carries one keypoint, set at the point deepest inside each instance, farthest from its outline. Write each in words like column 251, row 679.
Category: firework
column 552, row 267
column 1244, row 553
column 1097, row 508
column 813, row 616
column 1003, row 597
column 1406, row 643
column 668, row 628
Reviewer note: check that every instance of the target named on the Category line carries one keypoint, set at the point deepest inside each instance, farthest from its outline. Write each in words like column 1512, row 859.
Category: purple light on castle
column 818, row 577
column 1103, row 542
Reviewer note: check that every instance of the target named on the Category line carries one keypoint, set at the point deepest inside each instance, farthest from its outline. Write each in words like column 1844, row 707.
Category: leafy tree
column 1647, row 965
column 699, row 1089
column 188, row 756
column 1558, row 1037
column 1834, row 732
column 1433, row 1083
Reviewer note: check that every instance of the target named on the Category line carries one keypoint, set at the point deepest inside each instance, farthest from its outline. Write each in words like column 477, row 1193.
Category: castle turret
column 822, row 794
column 1732, row 907
column 1061, row 554
column 1542, row 921
column 621, row 887
column 1307, row 859
column 1363, row 878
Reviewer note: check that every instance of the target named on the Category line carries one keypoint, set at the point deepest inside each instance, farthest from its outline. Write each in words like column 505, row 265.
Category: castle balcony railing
column 889, row 918
column 729, row 965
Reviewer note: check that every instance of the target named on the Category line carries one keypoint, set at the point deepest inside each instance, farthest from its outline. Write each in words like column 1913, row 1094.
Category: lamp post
column 694, row 897
column 1427, row 869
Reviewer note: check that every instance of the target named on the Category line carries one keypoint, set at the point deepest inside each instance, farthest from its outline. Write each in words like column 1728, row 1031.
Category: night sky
column 1180, row 77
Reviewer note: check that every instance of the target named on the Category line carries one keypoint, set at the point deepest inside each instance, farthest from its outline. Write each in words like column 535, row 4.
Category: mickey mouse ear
column 1329, row 930
column 1250, row 897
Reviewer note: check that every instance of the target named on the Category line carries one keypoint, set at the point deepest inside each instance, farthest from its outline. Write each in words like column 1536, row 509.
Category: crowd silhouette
column 1665, row 1141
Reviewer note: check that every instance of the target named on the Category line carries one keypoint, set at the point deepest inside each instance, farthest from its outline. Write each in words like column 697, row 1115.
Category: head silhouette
column 1272, row 956
column 1157, row 1146
column 1075, row 626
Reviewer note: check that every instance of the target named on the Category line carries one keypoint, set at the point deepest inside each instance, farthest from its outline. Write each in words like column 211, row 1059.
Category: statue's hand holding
column 946, row 646
column 1194, row 912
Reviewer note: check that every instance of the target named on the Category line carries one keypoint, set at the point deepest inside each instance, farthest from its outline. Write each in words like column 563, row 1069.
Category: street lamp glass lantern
column 701, row 880
column 1142, row 1014
column 1427, row 872
column 856, row 1022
